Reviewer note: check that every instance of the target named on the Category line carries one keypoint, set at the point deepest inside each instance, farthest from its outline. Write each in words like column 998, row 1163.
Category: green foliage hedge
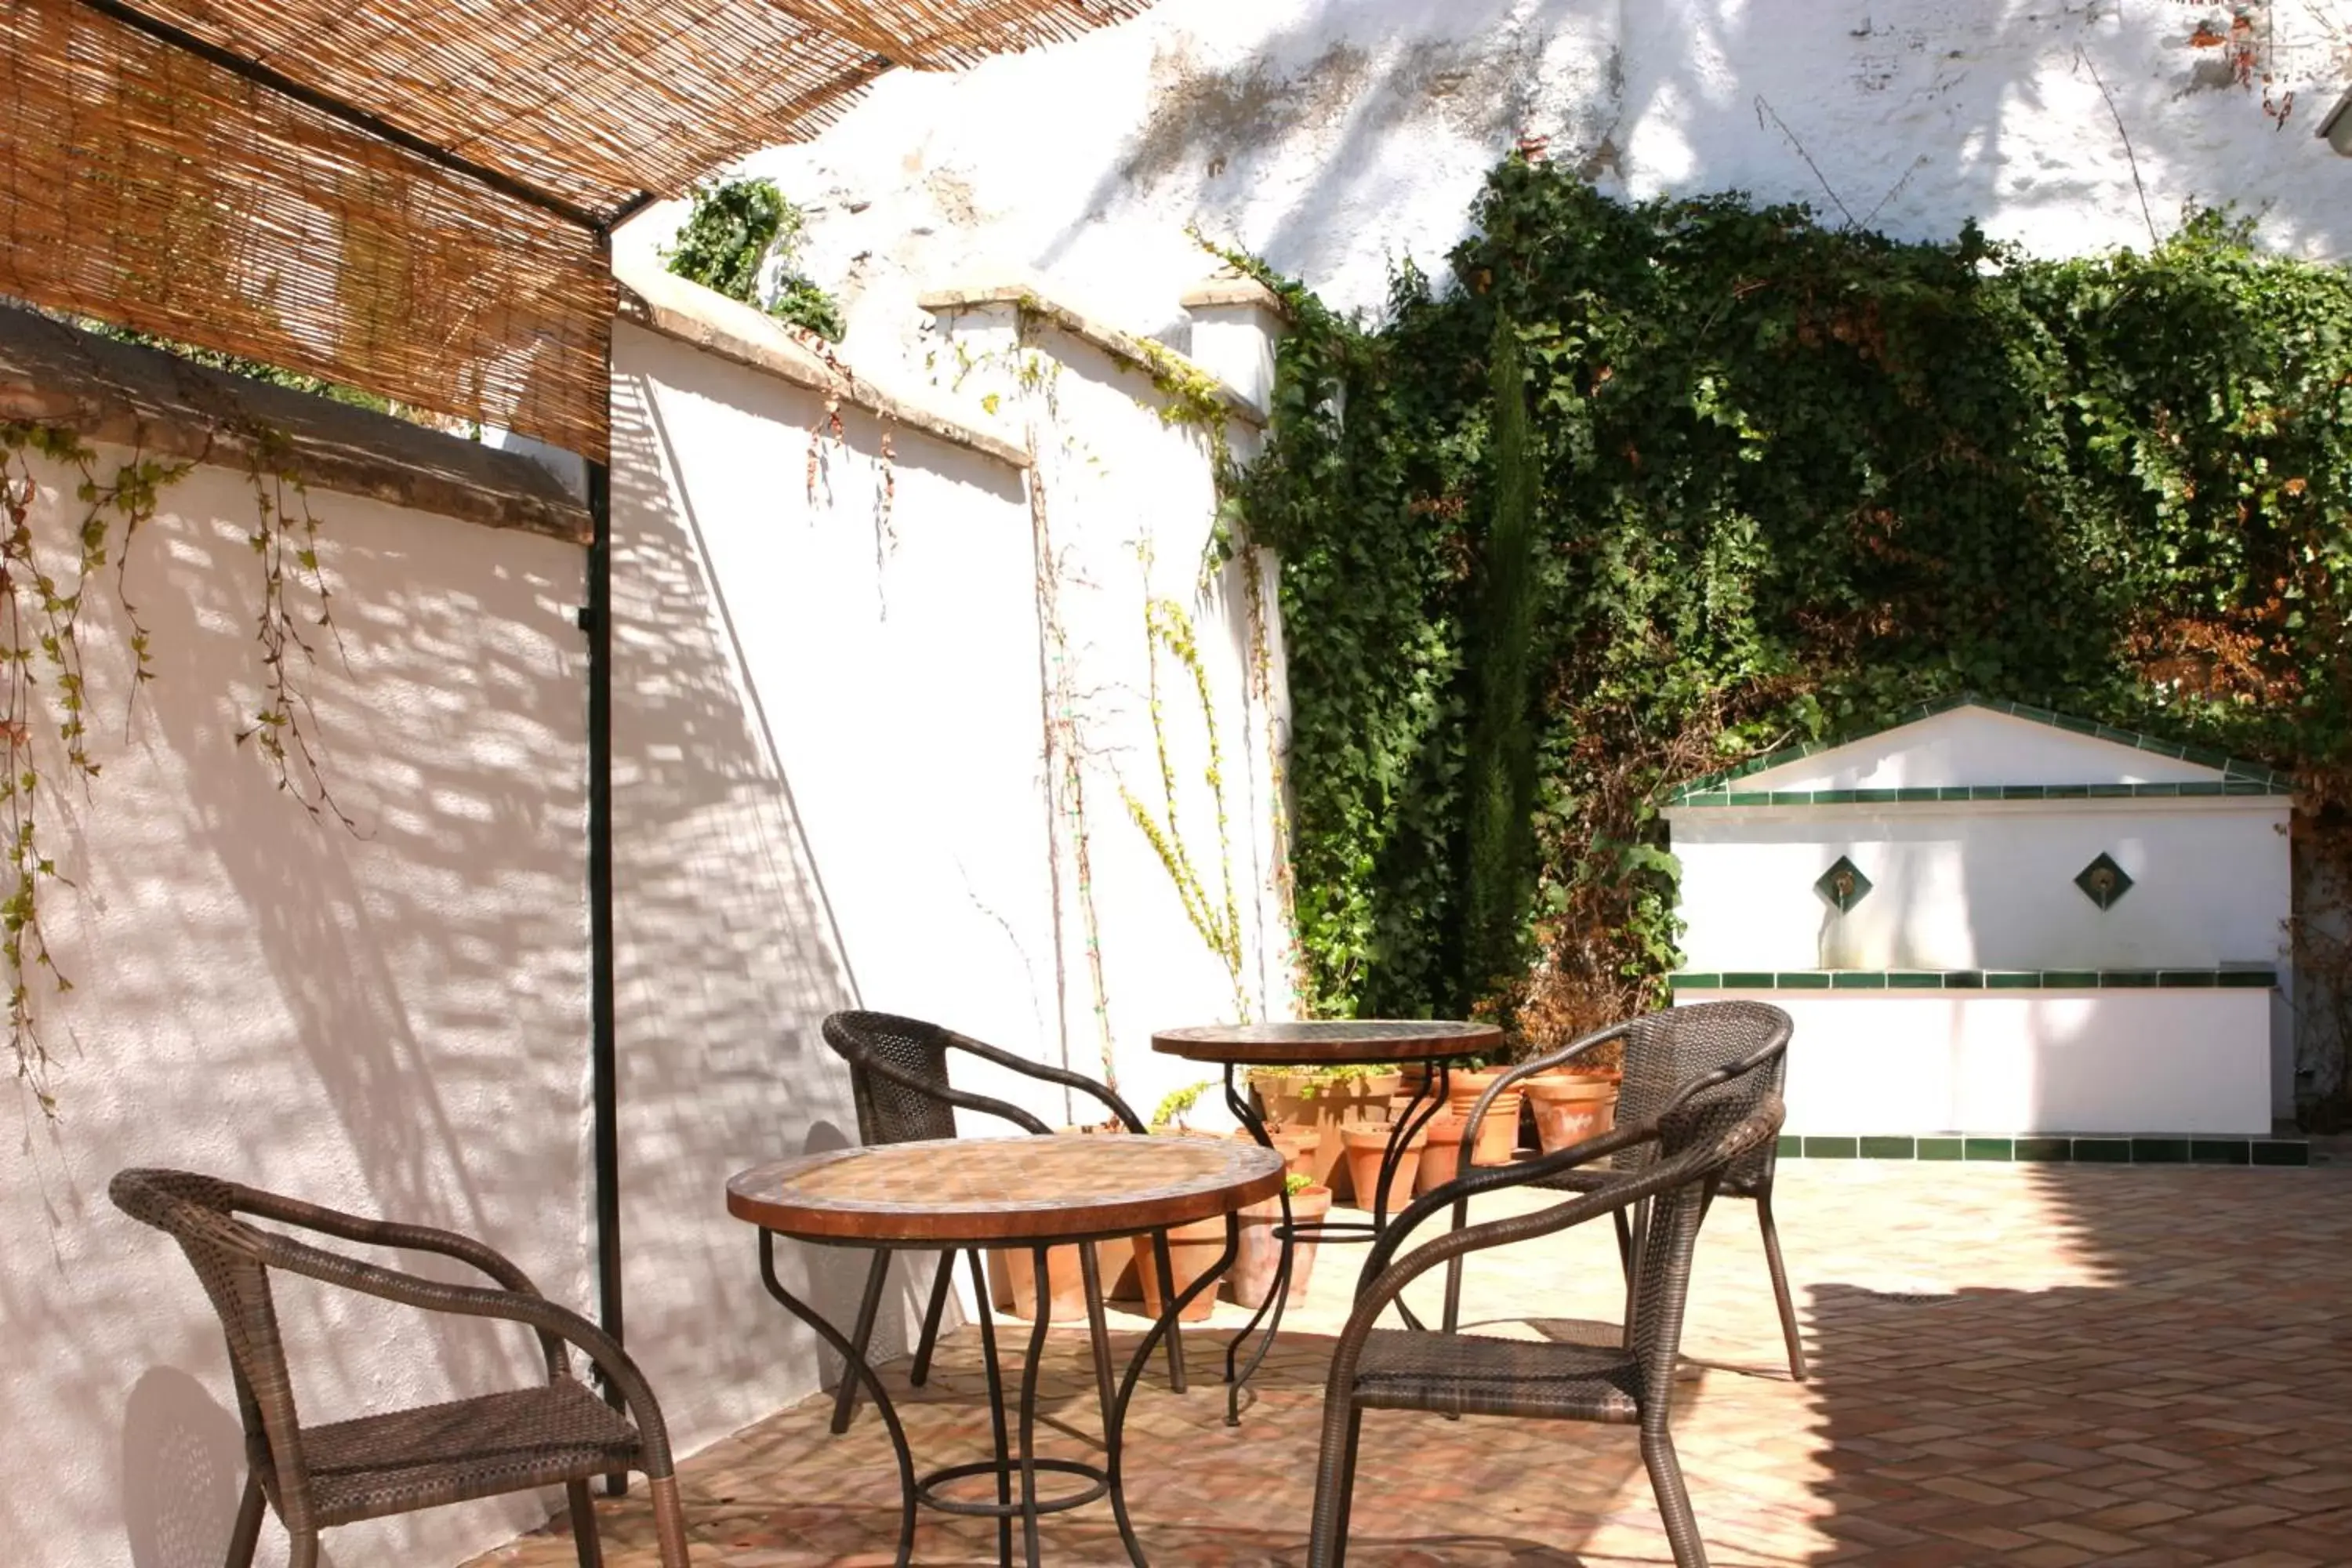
column 1790, row 480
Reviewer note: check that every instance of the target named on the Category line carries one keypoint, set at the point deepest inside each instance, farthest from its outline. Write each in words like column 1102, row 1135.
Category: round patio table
column 1325, row 1043
column 1009, row 1193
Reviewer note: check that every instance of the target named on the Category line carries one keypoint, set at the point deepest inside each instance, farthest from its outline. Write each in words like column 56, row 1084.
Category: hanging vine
column 40, row 647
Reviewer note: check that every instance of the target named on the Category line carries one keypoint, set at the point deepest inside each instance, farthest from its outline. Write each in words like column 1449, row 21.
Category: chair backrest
column 1700, row 1142
column 888, row 1111
column 1664, row 1051
column 199, row 1212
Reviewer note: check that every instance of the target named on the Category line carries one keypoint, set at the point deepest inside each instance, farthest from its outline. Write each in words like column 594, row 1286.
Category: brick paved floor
column 2015, row 1365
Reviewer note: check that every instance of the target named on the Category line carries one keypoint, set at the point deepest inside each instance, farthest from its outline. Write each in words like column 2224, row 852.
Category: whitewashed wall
column 392, row 1021
column 831, row 786
column 1336, row 137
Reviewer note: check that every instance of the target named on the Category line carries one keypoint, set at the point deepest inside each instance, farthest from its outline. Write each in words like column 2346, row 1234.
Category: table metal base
column 1016, row 1467
column 1428, row 1099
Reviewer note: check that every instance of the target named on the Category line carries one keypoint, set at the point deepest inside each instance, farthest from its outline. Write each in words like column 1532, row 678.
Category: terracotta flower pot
column 1192, row 1250
column 1323, row 1107
column 1296, row 1145
column 1571, row 1107
column 1366, row 1145
column 1013, row 1283
column 1498, row 1134
column 1260, row 1255
column 1441, row 1156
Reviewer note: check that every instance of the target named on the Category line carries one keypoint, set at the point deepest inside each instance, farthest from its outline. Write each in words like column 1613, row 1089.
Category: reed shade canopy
column 412, row 196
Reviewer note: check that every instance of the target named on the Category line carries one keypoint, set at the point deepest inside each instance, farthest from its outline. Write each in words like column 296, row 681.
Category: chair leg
column 1673, row 1498
column 1789, row 1329
column 1636, row 1245
column 1335, row 1487
column 941, row 1280
column 845, row 1402
column 583, row 1525
column 669, row 1522
column 302, row 1551
column 247, row 1532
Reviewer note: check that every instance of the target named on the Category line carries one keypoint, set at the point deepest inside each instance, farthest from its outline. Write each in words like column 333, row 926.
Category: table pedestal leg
column 1114, row 1419
column 1237, row 1101
column 1433, row 1089
column 857, row 1368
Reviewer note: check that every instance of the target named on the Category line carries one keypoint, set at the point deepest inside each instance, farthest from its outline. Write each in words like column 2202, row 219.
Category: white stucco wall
column 1986, row 887
column 1989, row 885
column 830, row 791
column 1336, row 137
column 2008, row 1062
column 392, row 1021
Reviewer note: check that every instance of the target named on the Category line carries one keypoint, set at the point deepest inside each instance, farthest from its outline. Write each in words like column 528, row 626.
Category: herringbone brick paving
column 2027, row 1366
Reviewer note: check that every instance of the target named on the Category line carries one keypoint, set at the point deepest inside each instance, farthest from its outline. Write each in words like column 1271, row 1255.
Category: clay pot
column 1296, row 1145
column 1365, row 1147
column 1260, row 1255
column 1441, row 1156
column 1322, row 1107
column 1012, row 1284
column 1571, row 1107
column 1192, row 1250
column 1499, row 1134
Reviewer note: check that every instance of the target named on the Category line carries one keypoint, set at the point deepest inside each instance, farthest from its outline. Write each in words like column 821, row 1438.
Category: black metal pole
column 603, row 1064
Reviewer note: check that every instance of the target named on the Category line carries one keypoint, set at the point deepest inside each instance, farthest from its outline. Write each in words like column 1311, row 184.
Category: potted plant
column 1498, row 1132
column 1260, row 1256
column 1194, row 1248
column 1440, row 1155
column 1326, row 1101
column 1367, row 1146
column 1572, row 1104
column 1296, row 1145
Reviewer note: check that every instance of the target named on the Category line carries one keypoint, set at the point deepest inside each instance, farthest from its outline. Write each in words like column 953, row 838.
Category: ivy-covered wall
column 1789, row 480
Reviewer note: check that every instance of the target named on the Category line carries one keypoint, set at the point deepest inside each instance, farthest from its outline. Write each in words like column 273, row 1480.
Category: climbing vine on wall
column 1790, row 480
column 44, row 713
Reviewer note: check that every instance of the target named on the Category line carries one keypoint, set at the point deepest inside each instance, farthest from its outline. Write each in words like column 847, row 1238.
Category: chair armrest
column 384, row 1233
column 1048, row 1074
column 1566, row 1053
column 956, row 1097
column 1457, row 1192
column 553, row 1322
column 1374, row 1297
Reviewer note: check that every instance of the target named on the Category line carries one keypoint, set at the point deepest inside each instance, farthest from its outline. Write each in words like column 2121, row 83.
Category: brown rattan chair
column 334, row 1473
column 1665, row 1053
column 898, row 1081
column 1691, row 1149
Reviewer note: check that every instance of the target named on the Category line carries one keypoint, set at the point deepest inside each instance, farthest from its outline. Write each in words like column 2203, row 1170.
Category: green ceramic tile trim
column 2055, row 1148
column 1974, row 979
column 2242, row 777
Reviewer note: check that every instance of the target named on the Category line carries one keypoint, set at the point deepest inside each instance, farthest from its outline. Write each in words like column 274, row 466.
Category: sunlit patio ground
column 2012, row 1364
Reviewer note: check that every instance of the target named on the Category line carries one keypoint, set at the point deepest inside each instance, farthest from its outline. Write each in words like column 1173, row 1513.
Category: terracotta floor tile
column 2013, row 1367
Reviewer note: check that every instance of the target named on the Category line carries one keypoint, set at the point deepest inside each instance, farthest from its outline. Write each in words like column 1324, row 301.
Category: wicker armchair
column 320, row 1476
column 898, row 1080
column 1664, row 1054
column 1687, row 1153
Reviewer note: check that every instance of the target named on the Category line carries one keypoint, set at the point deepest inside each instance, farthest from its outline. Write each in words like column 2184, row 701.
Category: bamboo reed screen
column 145, row 185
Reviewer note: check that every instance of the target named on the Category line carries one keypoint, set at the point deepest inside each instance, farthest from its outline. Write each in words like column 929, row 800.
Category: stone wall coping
column 1150, row 355
column 702, row 318
column 127, row 395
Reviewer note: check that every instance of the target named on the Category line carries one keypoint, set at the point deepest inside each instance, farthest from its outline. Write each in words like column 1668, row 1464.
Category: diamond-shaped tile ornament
column 1844, row 885
column 2103, row 881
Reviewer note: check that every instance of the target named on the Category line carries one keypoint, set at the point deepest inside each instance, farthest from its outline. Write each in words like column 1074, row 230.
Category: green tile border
column 2055, row 1149
column 2240, row 777
column 2252, row 979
